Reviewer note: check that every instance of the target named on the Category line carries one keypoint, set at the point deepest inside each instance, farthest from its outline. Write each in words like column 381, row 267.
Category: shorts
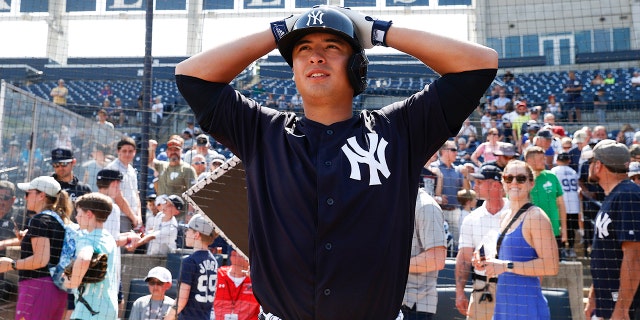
column 39, row 298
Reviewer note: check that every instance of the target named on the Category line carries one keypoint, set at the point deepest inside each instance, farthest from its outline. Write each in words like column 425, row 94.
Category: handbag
column 97, row 268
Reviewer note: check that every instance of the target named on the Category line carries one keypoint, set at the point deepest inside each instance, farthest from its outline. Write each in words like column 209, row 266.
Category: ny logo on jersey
column 602, row 223
column 356, row 155
column 315, row 17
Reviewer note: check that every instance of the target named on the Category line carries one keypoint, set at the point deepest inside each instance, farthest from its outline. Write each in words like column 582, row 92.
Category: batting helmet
column 329, row 20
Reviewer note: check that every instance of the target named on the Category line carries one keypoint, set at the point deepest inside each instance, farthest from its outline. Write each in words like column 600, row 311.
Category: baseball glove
column 97, row 268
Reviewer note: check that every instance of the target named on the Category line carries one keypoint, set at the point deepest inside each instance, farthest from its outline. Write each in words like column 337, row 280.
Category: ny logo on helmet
column 315, row 18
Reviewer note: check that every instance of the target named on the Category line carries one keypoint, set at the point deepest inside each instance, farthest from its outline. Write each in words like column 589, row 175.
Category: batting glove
column 282, row 27
column 371, row 32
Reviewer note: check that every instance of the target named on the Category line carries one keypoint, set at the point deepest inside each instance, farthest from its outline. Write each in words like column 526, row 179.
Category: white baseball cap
column 45, row 184
column 161, row 199
column 161, row 273
column 634, row 169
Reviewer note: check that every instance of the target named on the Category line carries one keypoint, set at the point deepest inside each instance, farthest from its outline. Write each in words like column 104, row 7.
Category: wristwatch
column 510, row 266
column 13, row 265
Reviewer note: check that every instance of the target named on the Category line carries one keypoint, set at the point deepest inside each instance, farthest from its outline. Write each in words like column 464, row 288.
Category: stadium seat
column 139, row 288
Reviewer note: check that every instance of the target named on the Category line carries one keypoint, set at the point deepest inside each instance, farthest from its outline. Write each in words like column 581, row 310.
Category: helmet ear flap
column 357, row 71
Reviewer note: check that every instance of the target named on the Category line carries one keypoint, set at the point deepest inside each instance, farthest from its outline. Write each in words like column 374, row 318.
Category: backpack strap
column 53, row 214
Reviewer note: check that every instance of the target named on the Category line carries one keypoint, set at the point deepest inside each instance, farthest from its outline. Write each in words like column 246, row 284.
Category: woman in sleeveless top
column 528, row 252
column 486, row 149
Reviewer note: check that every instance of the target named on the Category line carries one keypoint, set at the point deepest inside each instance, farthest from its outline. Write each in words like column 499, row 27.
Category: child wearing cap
column 156, row 304
column 569, row 181
column 199, row 273
column 162, row 235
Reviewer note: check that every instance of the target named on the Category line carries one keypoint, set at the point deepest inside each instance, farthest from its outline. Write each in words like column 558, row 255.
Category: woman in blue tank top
column 527, row 252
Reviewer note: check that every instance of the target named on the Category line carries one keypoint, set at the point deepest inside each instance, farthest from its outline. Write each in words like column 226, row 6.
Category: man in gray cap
column 615, row 251
column 505, row 153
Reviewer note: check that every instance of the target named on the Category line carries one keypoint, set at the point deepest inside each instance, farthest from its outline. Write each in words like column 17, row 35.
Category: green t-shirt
column 546, row 190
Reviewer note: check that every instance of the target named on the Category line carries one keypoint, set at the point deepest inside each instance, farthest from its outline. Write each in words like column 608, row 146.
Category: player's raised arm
column 224, row 62
column 442, row 54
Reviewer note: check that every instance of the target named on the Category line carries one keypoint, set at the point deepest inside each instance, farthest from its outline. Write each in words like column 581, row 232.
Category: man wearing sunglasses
column 63, row 163
column 615, row 250
column 479, row 230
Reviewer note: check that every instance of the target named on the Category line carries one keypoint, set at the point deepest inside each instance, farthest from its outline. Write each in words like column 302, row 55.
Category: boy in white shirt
column 162, row 237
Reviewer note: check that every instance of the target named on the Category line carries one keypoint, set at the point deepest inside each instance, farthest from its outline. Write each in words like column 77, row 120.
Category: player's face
column 320, row 65
column 126, row 154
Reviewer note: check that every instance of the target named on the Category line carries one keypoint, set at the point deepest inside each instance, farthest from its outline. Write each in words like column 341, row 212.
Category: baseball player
column 328, row 191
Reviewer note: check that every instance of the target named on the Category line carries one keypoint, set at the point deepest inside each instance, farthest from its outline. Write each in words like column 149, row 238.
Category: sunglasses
column 520, row 179
column 452, row 149
column 6, row 197
column 155, row 283
column 60, row 164
column 199, row 162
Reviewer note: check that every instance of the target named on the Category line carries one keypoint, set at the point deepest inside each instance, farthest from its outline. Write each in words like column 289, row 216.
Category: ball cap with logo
column 488, row 172
column 160, row 273
column 202, row 140
column 176, row 201
column 614, row 155
column 564, row 156
column 45, row 184
column 61, row 155
column 108, row 174
column 201, row 224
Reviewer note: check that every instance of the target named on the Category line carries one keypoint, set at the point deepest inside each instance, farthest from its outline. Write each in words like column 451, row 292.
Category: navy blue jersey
column 617, row 221
column 332, row 207
column 200, row 271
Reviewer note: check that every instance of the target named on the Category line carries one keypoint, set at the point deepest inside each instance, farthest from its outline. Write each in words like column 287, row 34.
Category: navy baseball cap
column 545, row 134
column 61, row 155
column 564, row 156
column 177, row 201
column 488, row 172
column 108, row 174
